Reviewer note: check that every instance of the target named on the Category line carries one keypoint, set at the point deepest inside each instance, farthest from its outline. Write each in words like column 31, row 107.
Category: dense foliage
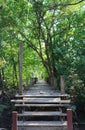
column 52, row 32
column 53, row 37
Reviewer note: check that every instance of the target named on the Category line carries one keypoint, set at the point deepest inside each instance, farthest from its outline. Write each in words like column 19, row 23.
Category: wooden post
column 26, row 82
column 14, row 120
column 20, row 68
column 53, row 82
column 62, row 84
column 69, row 120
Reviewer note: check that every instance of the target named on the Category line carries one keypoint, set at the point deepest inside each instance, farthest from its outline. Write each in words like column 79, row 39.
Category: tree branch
column 35, row 49
column 64, row 5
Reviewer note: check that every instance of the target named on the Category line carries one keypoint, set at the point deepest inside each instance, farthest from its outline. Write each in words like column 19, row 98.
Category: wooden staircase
column 42, row 108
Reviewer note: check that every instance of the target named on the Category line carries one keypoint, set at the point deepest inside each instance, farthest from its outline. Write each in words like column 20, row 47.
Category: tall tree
column 45, row 26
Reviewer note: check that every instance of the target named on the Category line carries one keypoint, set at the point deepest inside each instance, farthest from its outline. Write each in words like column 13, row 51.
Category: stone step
column 42, row 113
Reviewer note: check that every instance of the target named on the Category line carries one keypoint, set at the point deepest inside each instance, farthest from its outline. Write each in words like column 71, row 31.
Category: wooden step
column 42, row 123
column 41, row 108
column 3, row 129
column 40, row 100
column 42, row 113
column 43, row 96
column 41, row 105
column 49, row 102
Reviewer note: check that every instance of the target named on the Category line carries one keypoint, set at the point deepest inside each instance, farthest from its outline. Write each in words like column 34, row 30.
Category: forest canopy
column 53, row 37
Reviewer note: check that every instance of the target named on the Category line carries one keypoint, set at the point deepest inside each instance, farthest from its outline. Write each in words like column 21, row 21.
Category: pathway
column 42, row 107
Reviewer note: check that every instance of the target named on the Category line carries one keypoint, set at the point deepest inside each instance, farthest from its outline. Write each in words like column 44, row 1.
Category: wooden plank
column 42, row 96
column 42, row 113
column 42, row 128
column 3, row 129
column 65, row 101
column 41, row 105
column 40, row 100
column 42, row 123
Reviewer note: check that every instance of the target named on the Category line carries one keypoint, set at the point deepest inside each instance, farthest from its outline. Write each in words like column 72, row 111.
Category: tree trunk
column 20, row 68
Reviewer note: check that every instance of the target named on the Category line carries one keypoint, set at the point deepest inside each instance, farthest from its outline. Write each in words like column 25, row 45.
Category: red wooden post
column 69, row 120
column 14, row 120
